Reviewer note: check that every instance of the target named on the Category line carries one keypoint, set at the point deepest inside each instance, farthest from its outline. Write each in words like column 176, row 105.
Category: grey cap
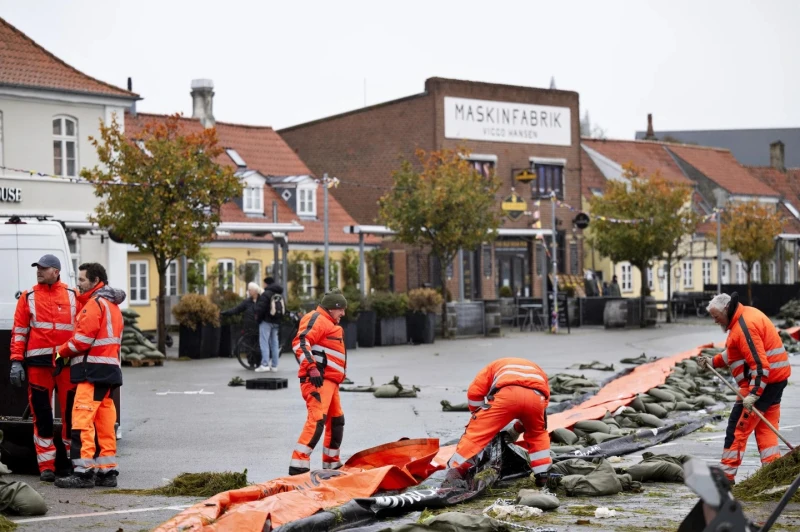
column 48, row 261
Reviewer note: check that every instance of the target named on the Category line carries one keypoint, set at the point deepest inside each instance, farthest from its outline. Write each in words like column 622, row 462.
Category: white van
column 23, row 240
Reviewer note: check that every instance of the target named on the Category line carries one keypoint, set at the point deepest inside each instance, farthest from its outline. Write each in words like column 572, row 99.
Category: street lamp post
column 327, row 258
column 722, row 198
column 555, row 264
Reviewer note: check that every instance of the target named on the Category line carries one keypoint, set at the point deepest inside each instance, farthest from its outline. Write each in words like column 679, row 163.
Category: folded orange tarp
column 794, row 332
column 393, row 466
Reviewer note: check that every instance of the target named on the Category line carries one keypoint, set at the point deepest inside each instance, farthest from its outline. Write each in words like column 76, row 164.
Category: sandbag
column 564, row 436
column 600, row 479
column 133, row 356
column 637, row 404
column 447, row 406
column 704, row 401
column 124, row 349
column 661, row 395
column 659, row 468
column 683, row 406
column 599, row 437
column 590, row 426
column 153, row 355
column 648, row 420
column 638, row 361
column 453, row 522
column 656, row 409
column 537, row 499
column 563, row 449
column 595, row 365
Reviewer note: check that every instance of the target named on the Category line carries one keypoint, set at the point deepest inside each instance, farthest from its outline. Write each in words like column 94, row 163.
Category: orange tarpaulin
column 393, row 466
column 794, row 332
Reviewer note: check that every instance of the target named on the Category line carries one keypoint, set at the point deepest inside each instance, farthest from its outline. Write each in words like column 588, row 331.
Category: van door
column 11, row 285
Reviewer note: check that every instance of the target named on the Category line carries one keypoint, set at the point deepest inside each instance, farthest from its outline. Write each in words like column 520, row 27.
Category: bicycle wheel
column 248, row 353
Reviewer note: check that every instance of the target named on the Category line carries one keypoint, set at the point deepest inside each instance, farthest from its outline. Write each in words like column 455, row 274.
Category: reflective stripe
column 740, row 378
column 300, row 448
column 42, row 442
column 42, row 324
column 84, row 339
column 330, row 351
column 728, row 469
column 770, row 451
column 67, row 443
column 333, row 453
column 476, row 404
column 64, row 327
column 109, row 329
column 106, row 460
column 541, row 468
column 111, row 361
column 330, row 364
column 776, row 351
column 766, row 372
column 456, row 459
column 80, row 462
column 46, row 457
column 730, row 455
column 32, row 307
column 72, row 347
column 331, row 465
column 304, row 464
column 725, row 357
column 736, row 364
column 509, row 372
column 18, row 338
column 108, row 341
column 781, row 364
column 22, row 330
column 72, row 308
column 39, row 352
column 539, row 455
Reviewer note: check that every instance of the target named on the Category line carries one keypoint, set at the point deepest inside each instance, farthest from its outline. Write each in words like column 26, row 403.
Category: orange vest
column 506, row 372
column 754, row 351
column 44, row 318
column 320, row 342
column 95, row 346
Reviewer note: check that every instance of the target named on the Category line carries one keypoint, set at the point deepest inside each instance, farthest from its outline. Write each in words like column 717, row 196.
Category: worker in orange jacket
column 759, row 363
column 44, row 318
column 94, row 362
column 506, row 391
column 319, row 346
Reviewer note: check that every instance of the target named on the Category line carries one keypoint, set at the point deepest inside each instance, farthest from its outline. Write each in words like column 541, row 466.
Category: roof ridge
column 216, row 122
column 64, row 63
column 658, row 143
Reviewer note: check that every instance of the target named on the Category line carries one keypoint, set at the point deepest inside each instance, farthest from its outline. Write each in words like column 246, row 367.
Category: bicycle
column 248, row 351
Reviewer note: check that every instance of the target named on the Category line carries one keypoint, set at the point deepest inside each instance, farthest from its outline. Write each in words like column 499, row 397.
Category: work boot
column 48, row 475
column 106, row 480
column 76, row 481
column 297, row 470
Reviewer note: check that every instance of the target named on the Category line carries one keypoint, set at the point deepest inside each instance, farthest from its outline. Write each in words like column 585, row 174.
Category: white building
column 48, row 111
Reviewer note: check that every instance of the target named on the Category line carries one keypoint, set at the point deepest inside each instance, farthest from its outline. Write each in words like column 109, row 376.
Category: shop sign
column 470, row 119
column 10, row 195
column 514, row 206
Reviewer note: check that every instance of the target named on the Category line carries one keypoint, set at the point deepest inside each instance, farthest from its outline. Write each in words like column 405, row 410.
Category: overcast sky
column 693, row 64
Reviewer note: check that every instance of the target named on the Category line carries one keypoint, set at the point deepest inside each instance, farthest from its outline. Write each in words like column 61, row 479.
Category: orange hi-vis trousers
column 742, row 423
column 94, row 410
column 510, row 403
column 40, row 392
column 324, row 414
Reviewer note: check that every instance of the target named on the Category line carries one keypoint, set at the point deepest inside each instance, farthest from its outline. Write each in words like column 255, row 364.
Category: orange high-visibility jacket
column 95, row 346
column 44, row 318
column 754, row 351
column 506, row 372
column 320, row 342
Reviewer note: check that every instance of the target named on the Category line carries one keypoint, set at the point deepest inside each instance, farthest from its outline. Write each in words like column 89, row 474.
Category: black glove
column 60, row 363
column 17, row 376
column 314, row 377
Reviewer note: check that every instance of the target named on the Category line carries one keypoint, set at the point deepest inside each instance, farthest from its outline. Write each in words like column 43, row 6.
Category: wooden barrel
column 615, row 313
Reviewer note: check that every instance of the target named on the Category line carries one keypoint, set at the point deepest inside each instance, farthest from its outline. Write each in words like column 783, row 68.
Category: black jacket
column 264, row 300
column 248, row 308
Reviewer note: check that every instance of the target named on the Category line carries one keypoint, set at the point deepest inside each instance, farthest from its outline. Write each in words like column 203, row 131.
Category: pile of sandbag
column 790, row 310
column 395, row 389
column 686, row 389
column 591, row 478
column 135, row 346
column 791, row 345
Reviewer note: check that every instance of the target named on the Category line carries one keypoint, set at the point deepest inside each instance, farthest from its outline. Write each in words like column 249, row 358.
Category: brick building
column 506, row 129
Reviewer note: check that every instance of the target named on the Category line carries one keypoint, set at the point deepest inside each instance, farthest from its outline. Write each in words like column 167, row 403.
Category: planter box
column 286, row 335
column 228, row 336
column 492, row 317
column 366, row 328
column 350, row 334
column 421, row 327
column 391, row 331
column 201, row 343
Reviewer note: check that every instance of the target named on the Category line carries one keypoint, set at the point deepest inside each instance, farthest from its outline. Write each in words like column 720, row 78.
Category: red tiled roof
column 650, row 156
column 264, row 150
column 23, row 63
column 721, row 166
column 787, row 184
column 591, row 176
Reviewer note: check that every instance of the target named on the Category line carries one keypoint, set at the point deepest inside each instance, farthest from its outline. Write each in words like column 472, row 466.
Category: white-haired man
column 759, row 363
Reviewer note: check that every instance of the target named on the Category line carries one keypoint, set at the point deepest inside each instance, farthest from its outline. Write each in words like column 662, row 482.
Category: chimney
column 776, row 156
column 650, row 135
column 203, row 101
column 133, row 105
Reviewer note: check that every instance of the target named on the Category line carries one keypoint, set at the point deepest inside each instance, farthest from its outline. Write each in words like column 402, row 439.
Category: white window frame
column 307, row 206
column 222, row 266
column 253, row 200
column 64, row 140
column 755, row 275
column 662, row 281
column 741, row 276
column 1, row 139
column 133, row 282
column 172, row 269
column 258, row 278
column 688, row 274
column 787, row 272
column 202, row 291
column 626, row 277
column 772, row 271
column 336, row 278
column 726, row 272
column 306, row 278
column 650, row 277
column 706, row 267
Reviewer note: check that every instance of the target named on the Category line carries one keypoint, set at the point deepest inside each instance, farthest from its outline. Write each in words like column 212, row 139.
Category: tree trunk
column 669, row 289
column 643, row 291
column 749, row 287
column 444, row 307
column 161, row 314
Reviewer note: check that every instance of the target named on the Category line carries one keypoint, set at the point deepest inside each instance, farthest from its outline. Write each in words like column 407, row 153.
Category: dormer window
column 253, row 201
column 236, row 158
column 306, row 201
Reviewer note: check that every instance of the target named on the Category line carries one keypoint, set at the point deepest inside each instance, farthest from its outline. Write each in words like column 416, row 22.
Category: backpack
column 276, row 306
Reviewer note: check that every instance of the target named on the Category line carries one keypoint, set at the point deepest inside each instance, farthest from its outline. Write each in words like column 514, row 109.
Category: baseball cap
column 48, row 261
